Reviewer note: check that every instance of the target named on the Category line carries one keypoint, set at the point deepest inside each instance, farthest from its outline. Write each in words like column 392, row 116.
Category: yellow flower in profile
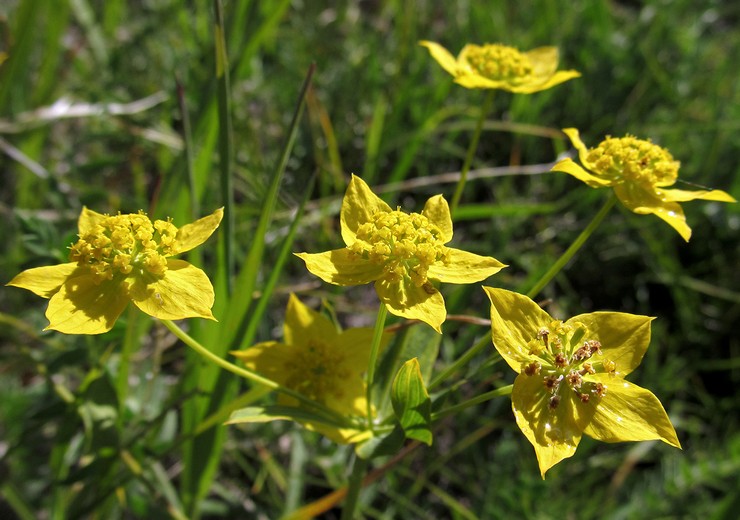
column 321, row 363
column 639, row 172
column 571, row 377
column 502, row 67
column 124, row 258
column 402, row 253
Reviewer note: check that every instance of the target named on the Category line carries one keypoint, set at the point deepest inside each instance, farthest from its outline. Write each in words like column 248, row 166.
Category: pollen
column 122, row 245
column 499, row 62
column 404, row 244
column 318, row 372
column 634, row 160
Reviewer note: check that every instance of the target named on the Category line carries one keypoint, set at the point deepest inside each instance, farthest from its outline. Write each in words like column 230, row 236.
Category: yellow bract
column 319, row 362
column 124, row 258
column 402, row 253
column 571, row 377
column 639, row 171
column 502, row 67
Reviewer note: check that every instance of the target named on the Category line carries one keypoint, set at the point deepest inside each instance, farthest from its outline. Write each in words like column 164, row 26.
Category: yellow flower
column 502, row 67
column 124, row 258
column 639, row 172
column 402, row 253
column 319, row 362
column 571, row 377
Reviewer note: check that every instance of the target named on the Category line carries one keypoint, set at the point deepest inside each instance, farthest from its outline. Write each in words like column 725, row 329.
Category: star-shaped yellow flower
column 319, row 362
column 639, row 172
column 571, row 377
column 124, row 258
column 402, row 253
column 502, row 67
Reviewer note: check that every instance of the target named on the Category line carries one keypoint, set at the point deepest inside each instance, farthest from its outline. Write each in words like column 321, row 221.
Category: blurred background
column 97, row 98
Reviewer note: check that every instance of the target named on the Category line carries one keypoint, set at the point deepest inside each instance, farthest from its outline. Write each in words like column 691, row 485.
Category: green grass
column 82, row 440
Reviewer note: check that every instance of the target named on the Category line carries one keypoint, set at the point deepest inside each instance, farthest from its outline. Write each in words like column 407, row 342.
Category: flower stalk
column 374, row 350
column 573, row 249
column 485, row 108
column 247, row 374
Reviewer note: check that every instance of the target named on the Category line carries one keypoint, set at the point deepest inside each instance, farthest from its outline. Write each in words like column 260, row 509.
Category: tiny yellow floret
column 324, row 365
column 404, row 254
column 122, row 258
column 639, row 172
column 497, row 66
column 573, row 384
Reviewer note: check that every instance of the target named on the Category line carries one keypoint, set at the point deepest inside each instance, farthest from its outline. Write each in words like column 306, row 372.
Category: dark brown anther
column 533, row 368
column 574, row 379
column 551, row 383
column 560, row 360
column 554, row 402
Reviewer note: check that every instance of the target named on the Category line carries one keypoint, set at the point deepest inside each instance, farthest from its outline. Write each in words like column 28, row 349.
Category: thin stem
column 359, row 468
column 374, row 349
column 461, row 361
column 471, row 152
column 504, row 390
column 574, row 247
column 130, row 342
column 248, row 374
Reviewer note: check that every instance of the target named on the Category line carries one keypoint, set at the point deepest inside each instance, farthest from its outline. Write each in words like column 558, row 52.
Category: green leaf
column 260, row 414
column 411, row 402
column 417, row 341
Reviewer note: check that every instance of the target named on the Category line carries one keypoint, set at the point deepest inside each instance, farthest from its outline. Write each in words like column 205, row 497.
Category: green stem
column 461, row 361
column 353, row 490
column 574, row 247
column 504, row 390
column 374, row 349
column 130, row 341
column 248, row 374
column 471, row 152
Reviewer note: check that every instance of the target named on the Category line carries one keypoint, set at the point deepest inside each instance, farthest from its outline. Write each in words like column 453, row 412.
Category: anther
column 574, row 379
column 533, row 368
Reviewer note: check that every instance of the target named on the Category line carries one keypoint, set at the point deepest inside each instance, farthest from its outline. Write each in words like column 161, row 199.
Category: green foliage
column 411, row 402
column 128, row 425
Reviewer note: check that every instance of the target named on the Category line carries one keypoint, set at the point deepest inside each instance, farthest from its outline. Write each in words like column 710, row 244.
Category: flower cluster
column 319, row 362
column 571, row 377
column 496, row 66
column 639, row 172
column 123, row 258
column 402, row 253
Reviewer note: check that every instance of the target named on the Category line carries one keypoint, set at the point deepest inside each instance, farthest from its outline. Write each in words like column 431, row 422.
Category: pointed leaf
column 411, row 402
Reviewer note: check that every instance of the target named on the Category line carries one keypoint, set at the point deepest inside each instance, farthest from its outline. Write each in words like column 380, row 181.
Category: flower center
column 499, row 62
column 120, row 245
column 405, row 245
column 318, row 372
column 564, row 358
column 634, row 160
